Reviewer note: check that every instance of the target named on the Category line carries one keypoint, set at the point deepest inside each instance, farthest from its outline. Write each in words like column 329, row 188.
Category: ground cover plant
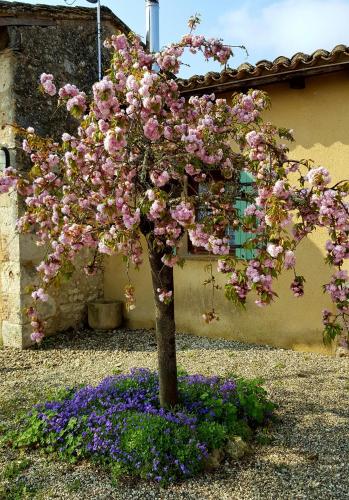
column 120, row 423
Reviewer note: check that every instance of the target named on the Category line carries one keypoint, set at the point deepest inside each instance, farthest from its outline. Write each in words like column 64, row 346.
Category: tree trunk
column 162, row 277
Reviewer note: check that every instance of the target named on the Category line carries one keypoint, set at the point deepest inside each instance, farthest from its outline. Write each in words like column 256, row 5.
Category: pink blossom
column 274, row 250
column 318, row 177
column 114, row 140
column 280, row 190
column 66, row 137
column 37, row 336
column 131, row 220
column 131, row 83
column 170, row 260
column 157, row 209
column 224, row 266
column 68, row 91
column 25, row 146
column 191, row 170
column 103, row 248
column 198, row 236
column 250, row 210
column 77, row 103
column 103, row 126
column 8, row 180
column 183, row 214
column 160, row 179
column 297, row 286
column 119, row 42
column 165, row 296
column 47, row 84
column 254, row 138
column 150, row 194
column 152, row 130
column 290, row 259
column 40, row 294
column 218, row 246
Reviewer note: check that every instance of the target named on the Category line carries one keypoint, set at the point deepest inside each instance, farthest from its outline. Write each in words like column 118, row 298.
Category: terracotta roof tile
column 264, row 71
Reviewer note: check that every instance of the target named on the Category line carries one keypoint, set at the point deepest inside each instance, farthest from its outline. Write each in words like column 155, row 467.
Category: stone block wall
column 10, row 288
column 67, row 304
column 9, row 243
column 61, row 41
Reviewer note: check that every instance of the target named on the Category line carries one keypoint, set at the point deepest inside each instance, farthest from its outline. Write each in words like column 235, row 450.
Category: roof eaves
column 14, row 10
column 281, row 69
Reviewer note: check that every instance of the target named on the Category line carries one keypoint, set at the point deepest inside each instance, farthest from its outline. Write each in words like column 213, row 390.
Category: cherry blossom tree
column 147, row 163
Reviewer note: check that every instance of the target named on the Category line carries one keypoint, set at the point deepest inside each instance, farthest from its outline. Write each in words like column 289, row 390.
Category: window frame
column 198, row 253
column 7, row 157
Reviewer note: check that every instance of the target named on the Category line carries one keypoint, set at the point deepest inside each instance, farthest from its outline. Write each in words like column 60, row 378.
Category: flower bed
column 120, row 423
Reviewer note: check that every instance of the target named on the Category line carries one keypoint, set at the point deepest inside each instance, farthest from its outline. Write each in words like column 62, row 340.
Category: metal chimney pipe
column 99, row 44
column 152, row 25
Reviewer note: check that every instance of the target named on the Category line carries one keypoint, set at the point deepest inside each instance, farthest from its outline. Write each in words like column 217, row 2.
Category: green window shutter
column 240, row 237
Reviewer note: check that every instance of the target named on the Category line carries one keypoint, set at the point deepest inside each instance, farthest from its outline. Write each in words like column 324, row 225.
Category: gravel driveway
column 307, row 459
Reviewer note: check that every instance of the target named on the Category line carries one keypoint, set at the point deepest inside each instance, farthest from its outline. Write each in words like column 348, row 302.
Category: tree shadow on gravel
column 307, row 457
column 5, row 370
column 305, row 374
column 138, row 340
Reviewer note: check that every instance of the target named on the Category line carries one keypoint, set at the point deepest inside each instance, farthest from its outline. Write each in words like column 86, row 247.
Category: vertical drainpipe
column 99, row 45
column 152, row 25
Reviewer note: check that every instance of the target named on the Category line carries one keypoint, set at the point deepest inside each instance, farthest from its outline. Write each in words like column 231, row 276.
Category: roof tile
column 264, row 68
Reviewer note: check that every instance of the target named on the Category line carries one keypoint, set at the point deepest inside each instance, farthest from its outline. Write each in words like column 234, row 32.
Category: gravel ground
column 308, row 458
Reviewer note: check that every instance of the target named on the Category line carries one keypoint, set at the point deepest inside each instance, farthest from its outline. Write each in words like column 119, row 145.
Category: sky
column 268, row 28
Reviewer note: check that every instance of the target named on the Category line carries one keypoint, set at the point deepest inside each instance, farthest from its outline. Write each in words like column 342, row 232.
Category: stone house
column 36, row 39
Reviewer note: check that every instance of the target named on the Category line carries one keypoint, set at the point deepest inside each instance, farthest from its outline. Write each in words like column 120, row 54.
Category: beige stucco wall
column 319, row 114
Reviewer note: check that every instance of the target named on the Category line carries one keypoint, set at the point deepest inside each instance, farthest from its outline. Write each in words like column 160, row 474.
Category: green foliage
column 213, row 434
column 17, row 490
column 116, row 371
column 280, row 365
column 331, row 331
column 285, row 133
column 264, row 437
column 74, row 485
column 242, row 429
column 32, row 433
column 14, row 468
column 253, row 401
column 152, row 439
column 181, row 372
column 15, row 487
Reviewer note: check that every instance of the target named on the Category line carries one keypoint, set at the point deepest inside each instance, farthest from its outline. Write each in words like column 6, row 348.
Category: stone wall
column 61, row 41
column 9, row 242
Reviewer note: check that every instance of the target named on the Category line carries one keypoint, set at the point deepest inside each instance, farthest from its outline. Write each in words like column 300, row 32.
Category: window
column 4, row 37
column 236, row 238
column 4, row 158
